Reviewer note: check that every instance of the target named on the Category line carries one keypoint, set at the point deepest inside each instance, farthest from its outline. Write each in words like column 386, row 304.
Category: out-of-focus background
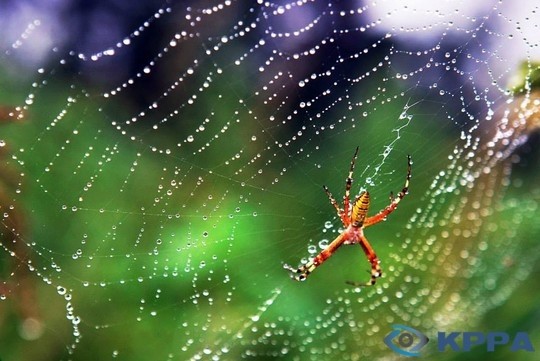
column 160, row 162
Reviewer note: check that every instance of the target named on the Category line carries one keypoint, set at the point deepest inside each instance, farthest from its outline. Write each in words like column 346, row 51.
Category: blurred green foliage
column 118, row 224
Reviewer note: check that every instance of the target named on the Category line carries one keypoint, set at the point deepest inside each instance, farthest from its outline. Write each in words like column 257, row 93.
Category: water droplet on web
column 323, row 243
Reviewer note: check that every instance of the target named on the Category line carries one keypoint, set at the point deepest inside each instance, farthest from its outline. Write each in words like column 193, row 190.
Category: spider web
column 149, row 205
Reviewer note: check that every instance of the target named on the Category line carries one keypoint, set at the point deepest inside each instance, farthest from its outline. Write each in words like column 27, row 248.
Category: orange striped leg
column 393, row 201
column 376, row 271
column 341, row 213
column 348, row 185
column 302, row 272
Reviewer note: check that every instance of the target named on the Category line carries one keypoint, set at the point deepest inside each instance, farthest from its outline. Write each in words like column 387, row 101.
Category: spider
column 354, row 220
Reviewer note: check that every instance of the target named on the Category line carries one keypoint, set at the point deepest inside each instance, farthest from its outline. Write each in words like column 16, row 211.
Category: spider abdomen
column 360, row 209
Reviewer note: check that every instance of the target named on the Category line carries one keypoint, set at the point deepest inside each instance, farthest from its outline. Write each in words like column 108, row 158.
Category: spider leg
column 340, row 212
column 393, row 201
column 348, row 185
column 303, row 271
column 376, row 271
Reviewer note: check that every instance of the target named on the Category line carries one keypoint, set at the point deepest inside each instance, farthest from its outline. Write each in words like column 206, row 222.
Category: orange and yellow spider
column 354, row 220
